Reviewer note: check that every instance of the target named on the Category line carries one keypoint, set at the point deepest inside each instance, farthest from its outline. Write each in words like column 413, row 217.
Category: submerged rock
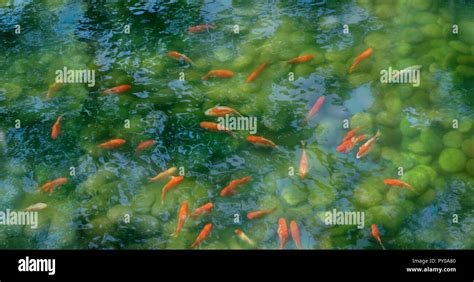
column 452, row 160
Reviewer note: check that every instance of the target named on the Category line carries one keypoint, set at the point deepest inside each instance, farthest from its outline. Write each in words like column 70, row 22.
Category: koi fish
column 351, row 134
column 376, row 234
column 165, row 173
column 301, row 59
column 282, row 232
column 256, row 72
column 114, row 143
column 183, row 214
column 220, row 111
column 56, row 128
column 367, row 53
column 303, row 162
column 260, row 141
column 315, row 109
column 117, row 89
column 200, row 28
column 204, row 209
column 36, row 207
column 179, row 56
column 396, row 182
column 50, row 186
column 242, row 236
column 175, row 180
column 219, row 74
column 231, row 188
column 53, row 88
column 259, row 214
column 347, row 145
column 295, row 234
column 364, row 149
column 212, row 126
column 406, row 70
column 203, row 235
column 144, row 145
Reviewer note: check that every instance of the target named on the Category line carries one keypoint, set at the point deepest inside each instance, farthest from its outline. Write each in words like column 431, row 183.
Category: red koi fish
column 282, row 232
column 259, row 214
column 218, row 74
column 117, row 89
column 351, row 134
column 56, row 128
column 301, row 59
column 231, row 189
column 396, row 182
column 260, row 141
column 315, row 109
column 367, row 53
column 256, row 72
column 204, row 209
column 175, row 180
column 144, row 145
column 220, row 111
column 376, row 234
column 112, row 144
column 203, row 235
column 364, row 149
column 303, row 162
column 179, row 56
column 183, row 214
column 295, row 234
column 242, row 236
column 347, row 145
column 50, row 186
column 200, row 28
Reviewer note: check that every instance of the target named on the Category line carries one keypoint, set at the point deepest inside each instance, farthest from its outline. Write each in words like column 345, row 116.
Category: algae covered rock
column 470, row 167
column 362, row 119
column 408, row 129
column 468, row 147
column 453, row 139
column 293, row 196
column 452, row 160
column 431, row 142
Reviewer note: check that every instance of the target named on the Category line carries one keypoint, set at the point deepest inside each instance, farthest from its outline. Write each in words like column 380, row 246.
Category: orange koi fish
column 231, row 188
column 301, row 59
column 219, row 74
column 295, row 234
column 175, row 180
column 260, row 141
column 200, row 28
column 282, row 232
column 179, row 56
column 36, row 207
column 212, row 126
column 183, row 214
column 220, row 111
column 396, row 182
column 56, row 128
column 351, row 134
column 203, row 235
column 347, row 145
column 376, row 234
column 144, row 145
column 367, row 53
column 303, row 162
column 242, row 236
column 315, row 109
column 114, row 143
column 50, row 186
column 165, row 173
column 117, row 89
column 53, row 88
column 364, row 149
column 259, row 214
column 204, row 209
column 256, row 72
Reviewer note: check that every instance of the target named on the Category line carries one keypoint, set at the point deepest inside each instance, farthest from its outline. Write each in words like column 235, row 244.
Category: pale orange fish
column 220, row 111
column 231, row 189
column 165, row 173
column 213, row 126
column 117, row 89
column 183, row 214
column 295, row 234
column 364, row 149
column 144, row 145
column 396, row 182
column 36, row 207
column 282, row 232
column 256, row 72
column 200, row 28
column 53, row 88
column 56, row 130
column 50, row 186
column 367, row 53
column 204, row 209
column 303, row 162
column 179, row 56
column 175, row 180
column 242, row 236
column 376, row 234
column 315, row 109
column 301, row 59
column 257, row 140
column 219, row 74
column 259, row 214
column 114, row 143
column 203, row 235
